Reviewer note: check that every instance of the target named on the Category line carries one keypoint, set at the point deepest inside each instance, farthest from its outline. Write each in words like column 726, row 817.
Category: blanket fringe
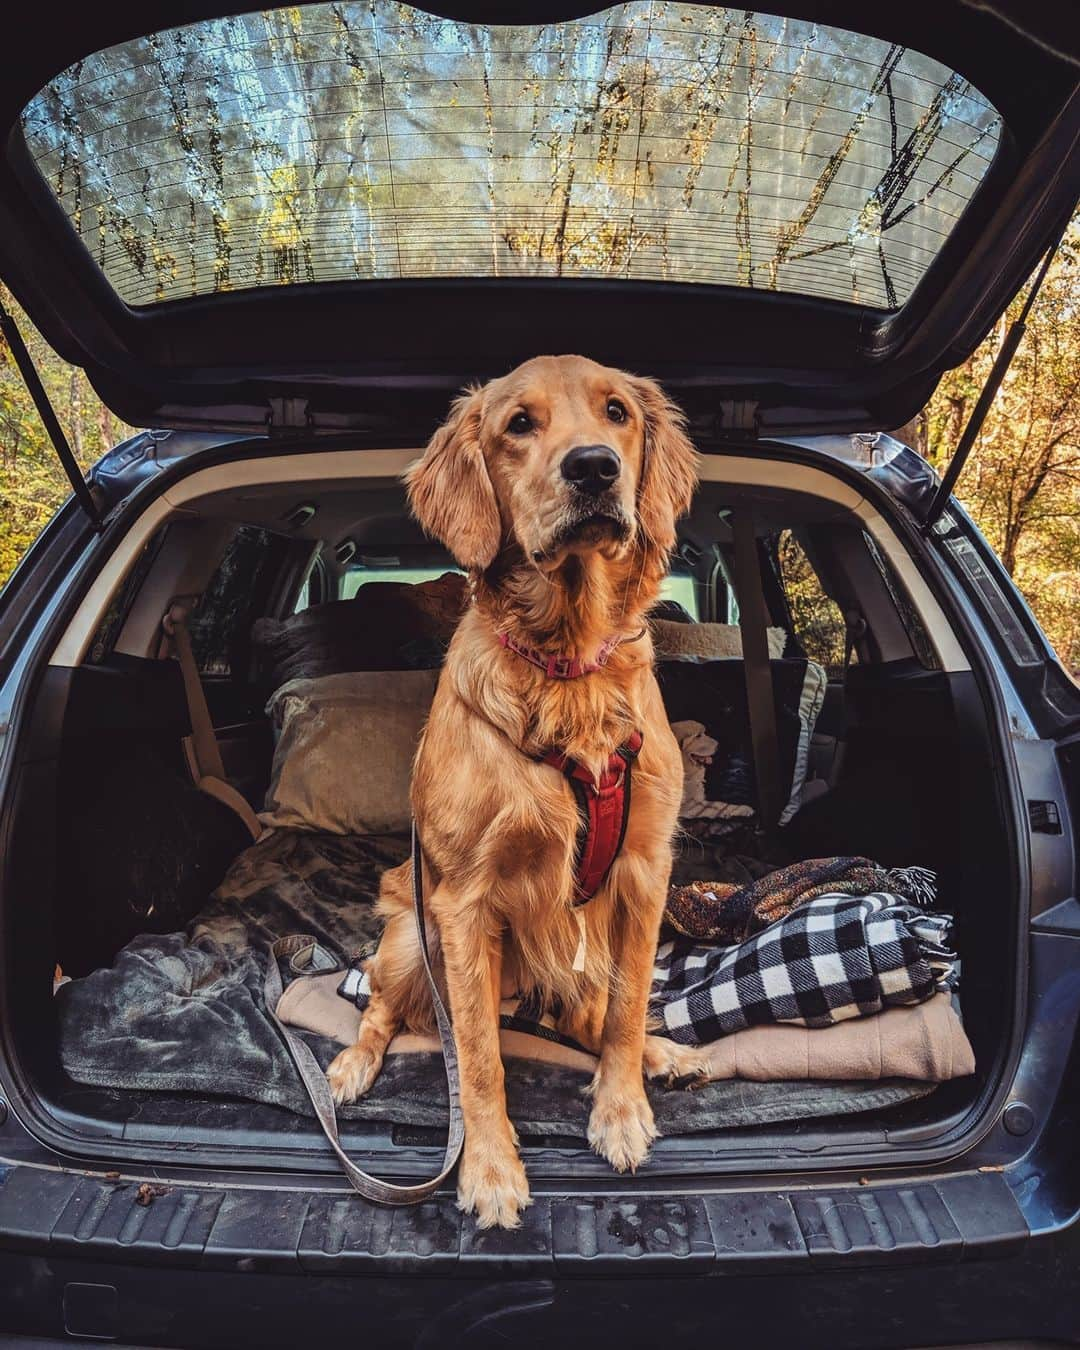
column 915, row 884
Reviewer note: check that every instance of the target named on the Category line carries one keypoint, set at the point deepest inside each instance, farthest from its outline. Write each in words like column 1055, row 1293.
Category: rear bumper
column 930, row 1261
column 1025, row 1295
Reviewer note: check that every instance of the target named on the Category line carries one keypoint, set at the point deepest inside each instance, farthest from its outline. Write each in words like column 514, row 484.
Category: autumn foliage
column 32, row 483
column 1022, row 483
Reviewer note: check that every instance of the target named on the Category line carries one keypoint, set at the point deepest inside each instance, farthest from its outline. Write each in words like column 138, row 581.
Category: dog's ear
column 669, row 470
column 450, row 491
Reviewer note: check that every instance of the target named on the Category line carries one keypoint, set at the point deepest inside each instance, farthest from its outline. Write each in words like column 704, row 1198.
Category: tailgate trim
column 232, row 1228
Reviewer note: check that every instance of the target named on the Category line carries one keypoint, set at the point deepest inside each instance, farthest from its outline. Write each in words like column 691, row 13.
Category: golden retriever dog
column 557, row 489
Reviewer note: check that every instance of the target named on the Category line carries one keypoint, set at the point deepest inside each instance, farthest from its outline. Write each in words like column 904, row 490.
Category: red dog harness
column 603, row 809
column 604, row 806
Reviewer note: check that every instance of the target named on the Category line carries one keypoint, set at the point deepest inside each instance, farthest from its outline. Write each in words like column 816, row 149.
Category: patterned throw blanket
column 717, row 911
column 833, row 958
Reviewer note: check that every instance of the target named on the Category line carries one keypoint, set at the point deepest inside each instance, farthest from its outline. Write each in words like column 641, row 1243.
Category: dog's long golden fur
column 562, row 572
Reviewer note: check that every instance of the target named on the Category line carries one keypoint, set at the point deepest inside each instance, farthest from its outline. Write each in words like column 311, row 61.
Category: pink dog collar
column 566, row 667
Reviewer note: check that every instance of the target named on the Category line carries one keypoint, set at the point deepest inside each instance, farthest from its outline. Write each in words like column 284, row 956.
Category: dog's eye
column 520, row 424
column 616, row 411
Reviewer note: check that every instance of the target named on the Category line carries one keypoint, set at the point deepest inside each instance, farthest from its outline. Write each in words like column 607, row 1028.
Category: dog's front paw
column 621, row 1127
column 352, row 1072
column 675, row 1065
column 492, row 1185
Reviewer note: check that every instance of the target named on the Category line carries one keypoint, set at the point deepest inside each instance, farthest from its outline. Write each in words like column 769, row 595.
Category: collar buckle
column 562, row 667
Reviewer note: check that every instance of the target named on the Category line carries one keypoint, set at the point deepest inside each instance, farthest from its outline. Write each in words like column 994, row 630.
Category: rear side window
column 112, row 621
column 237, row 595
column 647, row 142
column 921, row 645
column 312, row 589
column 816, row 620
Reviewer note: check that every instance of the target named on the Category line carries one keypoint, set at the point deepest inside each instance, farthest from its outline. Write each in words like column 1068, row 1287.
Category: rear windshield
column 651, row 141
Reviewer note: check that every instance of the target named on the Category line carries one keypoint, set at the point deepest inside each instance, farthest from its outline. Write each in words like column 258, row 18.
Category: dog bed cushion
column 345, row 746
column 675, row 641
column 926, row 1041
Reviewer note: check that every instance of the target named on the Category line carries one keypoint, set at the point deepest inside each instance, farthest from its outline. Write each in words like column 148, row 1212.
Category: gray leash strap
column 318, row 1089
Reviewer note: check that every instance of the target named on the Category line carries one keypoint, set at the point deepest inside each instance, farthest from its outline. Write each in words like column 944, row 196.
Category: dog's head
column 562, row 456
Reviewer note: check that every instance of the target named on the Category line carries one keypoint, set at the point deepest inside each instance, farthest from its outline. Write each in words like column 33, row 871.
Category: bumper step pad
column 264, row 1228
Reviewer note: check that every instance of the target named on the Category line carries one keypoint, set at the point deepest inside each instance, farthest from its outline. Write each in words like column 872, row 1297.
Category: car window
column 678, row 586
column 675, row 586
column 304, row 599
column 650, row 141
column 234, row 598
column 356, row 577
column 921, row 645
column 816, row 619
column 312, row 588
column 112, row 621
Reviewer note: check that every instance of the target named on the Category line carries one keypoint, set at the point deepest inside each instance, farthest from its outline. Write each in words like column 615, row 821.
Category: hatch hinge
column 53, row 429
column 287, row 415
column 964, row 446
column 737, row 420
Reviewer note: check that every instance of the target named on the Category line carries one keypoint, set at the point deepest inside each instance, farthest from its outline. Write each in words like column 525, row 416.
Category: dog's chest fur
column 501, row 827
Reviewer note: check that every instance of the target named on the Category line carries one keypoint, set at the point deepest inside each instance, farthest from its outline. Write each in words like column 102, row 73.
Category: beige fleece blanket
column 926, row 1043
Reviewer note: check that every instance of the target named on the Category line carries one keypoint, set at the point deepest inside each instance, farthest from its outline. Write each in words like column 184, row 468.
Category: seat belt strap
column 203, row 751
column 761, row 707
column 206, row 753
column 854, row 629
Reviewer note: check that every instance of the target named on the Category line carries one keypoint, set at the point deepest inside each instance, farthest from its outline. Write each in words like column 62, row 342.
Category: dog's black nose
column 591, row 468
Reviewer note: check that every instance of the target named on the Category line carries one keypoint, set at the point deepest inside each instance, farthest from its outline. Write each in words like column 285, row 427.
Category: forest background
column 1021, row 484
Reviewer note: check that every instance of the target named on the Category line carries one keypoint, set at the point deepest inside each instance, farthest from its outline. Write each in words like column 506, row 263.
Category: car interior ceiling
column 115, row 842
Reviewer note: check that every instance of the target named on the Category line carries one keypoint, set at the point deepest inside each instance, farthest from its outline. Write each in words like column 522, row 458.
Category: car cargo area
column 138, row 909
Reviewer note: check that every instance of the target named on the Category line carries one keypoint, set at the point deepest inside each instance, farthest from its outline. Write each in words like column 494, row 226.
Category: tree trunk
column 106, row 428
column 78, row 440
column 1009, row 545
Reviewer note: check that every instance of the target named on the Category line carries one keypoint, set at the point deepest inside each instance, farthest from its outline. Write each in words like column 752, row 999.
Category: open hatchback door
column 333, row 214
column 281, row 240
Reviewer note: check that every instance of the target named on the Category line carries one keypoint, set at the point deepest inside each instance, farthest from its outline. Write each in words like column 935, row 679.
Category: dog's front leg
column 621, row 1125
column 491, row 1178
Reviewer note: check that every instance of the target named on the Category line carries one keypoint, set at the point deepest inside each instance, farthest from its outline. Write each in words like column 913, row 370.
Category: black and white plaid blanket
column 836, row 957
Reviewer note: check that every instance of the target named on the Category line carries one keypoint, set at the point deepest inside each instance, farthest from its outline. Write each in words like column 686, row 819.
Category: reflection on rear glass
column 652, row 141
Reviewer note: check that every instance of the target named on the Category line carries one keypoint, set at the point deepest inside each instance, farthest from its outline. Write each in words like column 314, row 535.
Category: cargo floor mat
column 183, row 1012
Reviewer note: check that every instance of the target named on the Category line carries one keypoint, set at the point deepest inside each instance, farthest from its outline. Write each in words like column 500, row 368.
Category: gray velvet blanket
column 183, row 1012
